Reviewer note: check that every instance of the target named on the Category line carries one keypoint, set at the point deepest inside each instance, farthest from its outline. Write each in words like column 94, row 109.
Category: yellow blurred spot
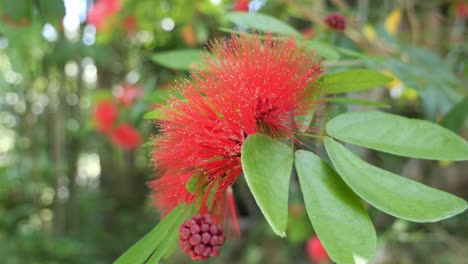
column 369, row 32
column 445, row 163
column 393, row 21
column 395, row 82
column 410, row 94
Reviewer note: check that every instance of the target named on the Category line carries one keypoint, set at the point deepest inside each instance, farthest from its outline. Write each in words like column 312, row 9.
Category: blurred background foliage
column 72, row 192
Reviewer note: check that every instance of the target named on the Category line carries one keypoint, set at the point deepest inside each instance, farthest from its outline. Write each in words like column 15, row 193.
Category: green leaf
column 178, row 59
column 161, row 96
column 267, row 166
column 455, row 119
column 323, row 49
column 354, row 101
column 391, row 193
column 349, row 52
column 353, row 80
column 338, row 216
column 170, row 240
column 262, row 22
column 156, row 114
column 398, row 135
column 52, row 11
column 155, row 239
column 192, row 183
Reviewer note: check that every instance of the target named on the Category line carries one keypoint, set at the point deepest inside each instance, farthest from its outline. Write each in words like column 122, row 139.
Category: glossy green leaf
column 179, row 59
column 455, row 119
column 338, row 216
column 323, row 49
column 261, row 22
column 355, row 101
column 155, row 239
column 353, row 80
column 267, row 166
column 391, row 193
column 398, row 135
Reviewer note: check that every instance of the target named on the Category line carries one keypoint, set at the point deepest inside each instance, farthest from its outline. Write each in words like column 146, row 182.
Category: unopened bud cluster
column 336, row 22
column 200, row 238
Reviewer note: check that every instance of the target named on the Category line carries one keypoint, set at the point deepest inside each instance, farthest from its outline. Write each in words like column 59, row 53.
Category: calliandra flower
column 247, row 87
column 336, row 21
column 126, row 137
column 105, row 115
column 241, row 5
column 102, row 11
column 315, row 250
column 128, row 94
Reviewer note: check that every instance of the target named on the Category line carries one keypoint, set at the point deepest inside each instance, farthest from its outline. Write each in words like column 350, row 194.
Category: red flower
column 461, row 9
column 241, row 5
column 105, row 114
column 128, row 94
column 101, row 11
column 130, row 25
column 249, row 88
column 336, row 22
column 126, row 136
column 315, row 250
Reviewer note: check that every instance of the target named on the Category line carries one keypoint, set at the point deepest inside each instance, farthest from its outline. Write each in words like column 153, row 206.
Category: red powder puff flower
column 101, row 11
column 336, row 21
column 247, row 87
column 128, row 94
column 315, row 250
column 126, row 137
column 105, row 114
column 241, row 5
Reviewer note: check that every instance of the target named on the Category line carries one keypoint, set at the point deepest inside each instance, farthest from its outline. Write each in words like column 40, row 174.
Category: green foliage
column 262, row 22
column 17, row 10
column 158, row 241
column 354, row 101
column 337, row 214
column 456, row 118
column 325, row 50
column 391, row 193
column 52, row 11
column 353, row 80
column 267, row 166
column 398, row 135
column 179, row 60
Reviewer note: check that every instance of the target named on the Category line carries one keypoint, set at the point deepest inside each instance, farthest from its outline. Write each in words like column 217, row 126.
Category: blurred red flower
column 105, row 114
column 241, row 5
column 21, row 23
column 249, row 87
column 315, row 250
column 461, row 9
column 101, row 11
column 128, row 94
column 130, row 25
column 336, row 21
column 126, row 137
